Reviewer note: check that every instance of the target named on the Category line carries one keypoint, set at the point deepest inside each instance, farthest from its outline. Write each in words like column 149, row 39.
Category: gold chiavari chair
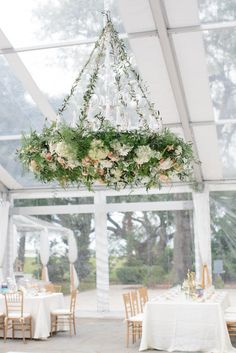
column 57, row 288
column 133, row 322
column 137, row 313
column 53, row 288
column 143, row 297
column 16, row 318
column 63, row 317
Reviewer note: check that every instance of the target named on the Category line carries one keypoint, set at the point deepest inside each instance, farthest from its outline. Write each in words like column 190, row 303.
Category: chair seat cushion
column 230, row 317
column 231, row 309
column 17, row 315
column 137, row 318
column 61, row 312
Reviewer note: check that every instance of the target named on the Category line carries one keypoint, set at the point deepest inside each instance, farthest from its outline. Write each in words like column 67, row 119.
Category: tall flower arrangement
column 100, row 150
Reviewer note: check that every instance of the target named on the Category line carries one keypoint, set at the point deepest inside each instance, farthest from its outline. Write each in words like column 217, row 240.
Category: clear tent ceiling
column 185, row 51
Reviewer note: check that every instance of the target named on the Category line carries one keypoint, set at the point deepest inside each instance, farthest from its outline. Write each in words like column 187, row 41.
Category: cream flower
column 165, row 164
column 163, row 178
column 34, row 167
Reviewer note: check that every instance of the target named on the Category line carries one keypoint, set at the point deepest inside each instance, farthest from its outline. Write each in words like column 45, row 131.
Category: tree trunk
column 182, row 260
column 21, row 251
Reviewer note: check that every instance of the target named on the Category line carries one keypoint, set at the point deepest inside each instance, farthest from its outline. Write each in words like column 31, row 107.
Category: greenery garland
column 108, row 155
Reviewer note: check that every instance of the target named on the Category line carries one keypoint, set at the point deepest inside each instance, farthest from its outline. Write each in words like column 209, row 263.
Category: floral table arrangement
column 101, row 150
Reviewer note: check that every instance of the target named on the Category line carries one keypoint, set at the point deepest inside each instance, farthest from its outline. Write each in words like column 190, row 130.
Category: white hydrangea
column 178, row 150
column 97, row 150
column 63, row 150
column 158, row 155
column 116, row 173
column 121, row 149
column 97, row 154
column 144, row 154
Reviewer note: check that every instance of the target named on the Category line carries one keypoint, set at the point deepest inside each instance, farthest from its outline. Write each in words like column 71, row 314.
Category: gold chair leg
column 13, row 329
column 74, row 324
column 31, row 335
column 51, row 333
column 70, row 321
column 127, row 335
column 5, row 329
column 23, row 331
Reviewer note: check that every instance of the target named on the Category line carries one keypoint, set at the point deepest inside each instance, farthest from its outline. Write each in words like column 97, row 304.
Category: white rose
column 106, row 164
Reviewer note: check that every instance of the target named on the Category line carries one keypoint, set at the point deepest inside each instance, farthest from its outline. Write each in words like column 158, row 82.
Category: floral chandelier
column 102, row 148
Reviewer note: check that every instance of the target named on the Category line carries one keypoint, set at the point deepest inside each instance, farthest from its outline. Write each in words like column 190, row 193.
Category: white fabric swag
column 4, row 218
column 202, row 230
column 44, row 253
column 14, row 243
column 72, row 255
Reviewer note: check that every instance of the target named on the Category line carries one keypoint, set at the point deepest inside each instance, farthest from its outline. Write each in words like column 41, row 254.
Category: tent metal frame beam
column 21, row 72
column 159, row 16
column 50, row 193
column 175, row 30
column 53, row 193
column 107, row 207
column 170, row 125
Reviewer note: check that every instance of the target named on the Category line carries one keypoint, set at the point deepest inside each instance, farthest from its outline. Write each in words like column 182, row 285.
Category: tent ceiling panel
column 136, row 15
column 7, row 180
column 36, row 22
column 182, row 13
column 13, row 168
column 217, row 10
column 208, row 150
column 60, row 65
column 16, row 104
column 227, row 144
column 191, row 58
column 24, row 76
column 152, row 67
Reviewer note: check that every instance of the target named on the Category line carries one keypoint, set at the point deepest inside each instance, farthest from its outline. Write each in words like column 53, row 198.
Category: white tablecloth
column 40, row 307
column 178, row 324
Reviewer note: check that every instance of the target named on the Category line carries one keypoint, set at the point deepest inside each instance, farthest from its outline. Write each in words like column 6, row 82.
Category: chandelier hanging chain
column 66, row 100
column 120, row 45
column 92, row 81
column 110, row 37
column 131, row 91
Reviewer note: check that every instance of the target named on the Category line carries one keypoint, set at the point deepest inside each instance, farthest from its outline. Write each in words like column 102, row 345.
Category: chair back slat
column 128, row 306
column 143, row 297
column 73, row 300
column 14, row 302
column 135, row 302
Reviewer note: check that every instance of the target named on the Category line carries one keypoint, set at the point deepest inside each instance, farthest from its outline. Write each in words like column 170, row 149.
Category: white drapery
column 4, row 220
column 72, row 255
column 202, row 231
column 44, row 254
column 14, row 243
